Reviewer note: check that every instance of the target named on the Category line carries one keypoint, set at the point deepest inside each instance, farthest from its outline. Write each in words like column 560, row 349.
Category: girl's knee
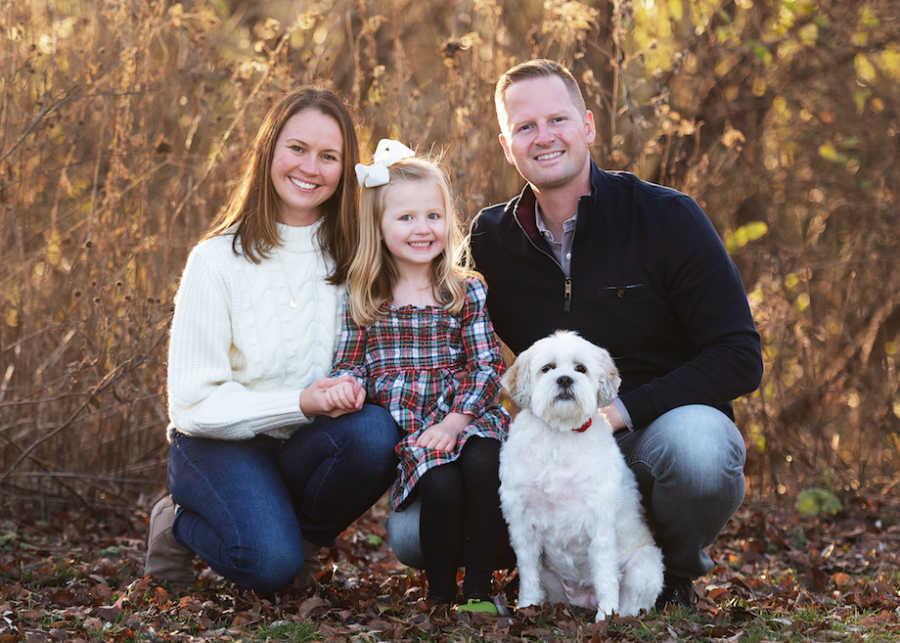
column 441, row 488
column 481, row 456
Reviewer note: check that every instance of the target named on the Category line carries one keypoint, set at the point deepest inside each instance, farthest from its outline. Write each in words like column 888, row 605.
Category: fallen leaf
column 108, row 612
column 93, row 623
column 160, row 596
column 840, row 578
column 715, row 592
column 309, row 605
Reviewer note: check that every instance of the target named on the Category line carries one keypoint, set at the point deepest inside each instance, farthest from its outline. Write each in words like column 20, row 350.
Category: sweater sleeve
column 204, row 400
column 483, row 358
column 707, row 296
column 350, row 356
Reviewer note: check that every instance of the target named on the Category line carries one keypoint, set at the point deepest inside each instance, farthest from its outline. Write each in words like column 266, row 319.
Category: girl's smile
column 414, row 223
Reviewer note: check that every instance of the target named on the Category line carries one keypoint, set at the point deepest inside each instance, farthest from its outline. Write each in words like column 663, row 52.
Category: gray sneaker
column 167, row 559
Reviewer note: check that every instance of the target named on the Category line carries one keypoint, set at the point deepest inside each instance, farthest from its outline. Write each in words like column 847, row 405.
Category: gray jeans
column 689, row 465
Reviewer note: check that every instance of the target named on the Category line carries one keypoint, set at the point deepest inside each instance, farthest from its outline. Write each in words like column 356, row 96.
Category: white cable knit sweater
column 247, row 338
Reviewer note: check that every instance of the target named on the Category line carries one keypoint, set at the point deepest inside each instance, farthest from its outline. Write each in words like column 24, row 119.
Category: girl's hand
column 343, row 395
column 443, row 435
column 332, row 396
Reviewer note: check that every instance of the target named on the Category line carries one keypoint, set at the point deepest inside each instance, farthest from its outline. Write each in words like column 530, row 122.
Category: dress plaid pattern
column 408, row 359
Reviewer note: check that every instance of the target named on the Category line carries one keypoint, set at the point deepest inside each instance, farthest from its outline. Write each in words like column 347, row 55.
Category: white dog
column 572, row 504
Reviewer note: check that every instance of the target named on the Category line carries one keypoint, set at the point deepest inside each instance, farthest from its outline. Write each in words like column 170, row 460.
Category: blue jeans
column 689, row 464
column 246, row 506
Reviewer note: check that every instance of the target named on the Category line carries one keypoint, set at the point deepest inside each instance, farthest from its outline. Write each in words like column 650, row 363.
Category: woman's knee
column 265, row 568
column 371, row 431
column 370, row 436
column 381, row 433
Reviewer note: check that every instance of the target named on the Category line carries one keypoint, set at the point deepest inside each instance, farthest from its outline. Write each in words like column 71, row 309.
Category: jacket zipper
column 567, row 282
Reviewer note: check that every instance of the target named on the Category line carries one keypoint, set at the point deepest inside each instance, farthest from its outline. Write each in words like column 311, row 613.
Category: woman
column 263, row 467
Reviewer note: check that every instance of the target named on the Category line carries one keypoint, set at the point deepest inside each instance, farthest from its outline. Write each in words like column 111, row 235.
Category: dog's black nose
column 564, row 381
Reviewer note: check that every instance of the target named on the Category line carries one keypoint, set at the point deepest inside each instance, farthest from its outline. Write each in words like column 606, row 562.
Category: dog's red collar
column 583, row 427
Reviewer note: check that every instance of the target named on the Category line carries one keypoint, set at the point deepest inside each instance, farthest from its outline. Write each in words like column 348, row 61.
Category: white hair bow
column 387, row 152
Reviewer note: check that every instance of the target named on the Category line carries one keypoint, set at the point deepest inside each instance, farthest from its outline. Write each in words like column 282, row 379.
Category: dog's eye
column 581, row 368
column 548, row 367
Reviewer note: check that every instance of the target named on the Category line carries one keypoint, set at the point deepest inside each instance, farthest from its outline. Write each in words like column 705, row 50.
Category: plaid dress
column 408, row 359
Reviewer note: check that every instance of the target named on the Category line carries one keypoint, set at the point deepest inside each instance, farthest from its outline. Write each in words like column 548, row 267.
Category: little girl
column 417, row 335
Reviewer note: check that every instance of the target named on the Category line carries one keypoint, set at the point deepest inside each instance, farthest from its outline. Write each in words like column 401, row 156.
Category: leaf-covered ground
column 780, row 577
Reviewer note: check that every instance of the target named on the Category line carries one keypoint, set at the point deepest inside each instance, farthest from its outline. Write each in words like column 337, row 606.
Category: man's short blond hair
column 537, row 68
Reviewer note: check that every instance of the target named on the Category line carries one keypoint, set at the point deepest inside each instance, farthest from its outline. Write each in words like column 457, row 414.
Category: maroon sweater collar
column 525, row 213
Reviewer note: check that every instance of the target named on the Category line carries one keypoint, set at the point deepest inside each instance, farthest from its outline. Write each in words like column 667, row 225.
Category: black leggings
column 460, row 521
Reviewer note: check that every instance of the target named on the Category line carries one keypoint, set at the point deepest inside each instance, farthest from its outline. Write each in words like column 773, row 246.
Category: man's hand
column 332, row 396
column 443, row 435
column 614, row 417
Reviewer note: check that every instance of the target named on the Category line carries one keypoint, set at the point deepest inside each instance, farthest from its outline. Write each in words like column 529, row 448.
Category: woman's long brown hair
column 252, row 209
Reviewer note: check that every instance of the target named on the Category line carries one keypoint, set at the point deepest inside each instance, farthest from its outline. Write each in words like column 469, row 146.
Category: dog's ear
column 608, row 376
column 515, row 380
column 609, row 387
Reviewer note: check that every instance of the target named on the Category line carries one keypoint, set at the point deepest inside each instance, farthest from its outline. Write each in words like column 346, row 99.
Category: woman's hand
column 332, row 396
column 443, row 435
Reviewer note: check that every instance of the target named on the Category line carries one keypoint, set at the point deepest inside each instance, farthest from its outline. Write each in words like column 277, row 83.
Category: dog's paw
column 603, row 611
column 528, row 600
column 628, row 607
column 601, row 615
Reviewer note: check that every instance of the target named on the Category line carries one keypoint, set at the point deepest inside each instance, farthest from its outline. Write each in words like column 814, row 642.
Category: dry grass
column 123, row 124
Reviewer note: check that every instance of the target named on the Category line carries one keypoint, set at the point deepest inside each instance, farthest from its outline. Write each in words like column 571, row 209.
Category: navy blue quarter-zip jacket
column 650, row 281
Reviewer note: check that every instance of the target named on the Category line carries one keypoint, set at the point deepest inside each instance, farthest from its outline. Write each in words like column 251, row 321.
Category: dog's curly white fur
column 572, row 504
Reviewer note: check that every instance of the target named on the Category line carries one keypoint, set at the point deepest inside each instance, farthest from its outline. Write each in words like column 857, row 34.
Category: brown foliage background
column 124, row 124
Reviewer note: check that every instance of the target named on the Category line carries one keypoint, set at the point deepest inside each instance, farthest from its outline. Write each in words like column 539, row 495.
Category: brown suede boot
column 311, row 566
column 167, row 559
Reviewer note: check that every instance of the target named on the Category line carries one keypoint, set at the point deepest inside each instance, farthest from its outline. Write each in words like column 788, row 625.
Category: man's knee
column 696, row 446
column 689, row 467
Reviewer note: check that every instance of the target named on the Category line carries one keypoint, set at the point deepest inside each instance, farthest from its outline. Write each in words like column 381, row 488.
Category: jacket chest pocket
column 637, row 318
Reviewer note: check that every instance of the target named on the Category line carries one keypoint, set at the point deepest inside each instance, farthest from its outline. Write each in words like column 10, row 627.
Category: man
column 638, row 269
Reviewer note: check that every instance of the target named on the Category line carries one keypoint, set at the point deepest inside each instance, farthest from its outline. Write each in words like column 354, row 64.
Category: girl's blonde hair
column 373, row 272
column 252, row 210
